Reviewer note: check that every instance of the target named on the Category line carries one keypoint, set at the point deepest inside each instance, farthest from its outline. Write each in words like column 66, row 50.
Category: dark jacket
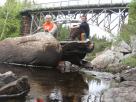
column 84, row 26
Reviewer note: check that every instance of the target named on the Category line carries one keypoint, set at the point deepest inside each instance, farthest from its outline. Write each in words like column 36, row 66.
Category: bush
column 10, row 27
column 63, row 33
column 99, row 45
column 130, row 61
column 129, row 29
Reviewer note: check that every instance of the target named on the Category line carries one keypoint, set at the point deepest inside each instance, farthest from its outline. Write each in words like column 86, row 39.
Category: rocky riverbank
column 124, row 87
column 111, row 59
column 124, row 90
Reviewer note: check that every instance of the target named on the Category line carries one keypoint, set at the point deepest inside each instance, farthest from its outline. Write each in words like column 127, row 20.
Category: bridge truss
column 109, row 17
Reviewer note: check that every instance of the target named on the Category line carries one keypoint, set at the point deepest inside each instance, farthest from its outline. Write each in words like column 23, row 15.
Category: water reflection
column 13, row 100
column 49, row 84
column 96, row 87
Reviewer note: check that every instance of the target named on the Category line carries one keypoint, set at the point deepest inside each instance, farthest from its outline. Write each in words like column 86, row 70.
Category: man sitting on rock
column 84, row 26
column 82, row 31
column 49, row 26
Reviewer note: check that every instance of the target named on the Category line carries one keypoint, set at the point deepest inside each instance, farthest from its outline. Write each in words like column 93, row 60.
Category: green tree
column 129, row 29
column 10, row 18
column 132, row 13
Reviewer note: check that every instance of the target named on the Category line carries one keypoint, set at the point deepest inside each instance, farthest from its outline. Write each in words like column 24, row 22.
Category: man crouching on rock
column 49, row 26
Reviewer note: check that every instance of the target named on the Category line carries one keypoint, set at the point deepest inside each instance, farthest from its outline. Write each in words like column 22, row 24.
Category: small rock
column 15, row 87
column 122, row 47
column 129, row 75
column 7, row 78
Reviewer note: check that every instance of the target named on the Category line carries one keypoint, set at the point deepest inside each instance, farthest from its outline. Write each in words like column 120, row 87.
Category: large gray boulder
column 104, row 59
column 38, row 49
column 112, row 56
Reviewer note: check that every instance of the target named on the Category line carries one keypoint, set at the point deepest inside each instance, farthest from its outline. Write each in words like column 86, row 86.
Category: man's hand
column 39, row 28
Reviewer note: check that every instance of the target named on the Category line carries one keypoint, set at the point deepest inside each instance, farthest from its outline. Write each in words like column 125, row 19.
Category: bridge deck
column 73, row 9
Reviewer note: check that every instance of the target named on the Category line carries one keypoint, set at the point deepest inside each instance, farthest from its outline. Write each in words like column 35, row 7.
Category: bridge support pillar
column 26, row 23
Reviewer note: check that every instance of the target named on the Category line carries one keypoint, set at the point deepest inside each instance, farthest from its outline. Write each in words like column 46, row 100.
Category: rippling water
column 50, row 85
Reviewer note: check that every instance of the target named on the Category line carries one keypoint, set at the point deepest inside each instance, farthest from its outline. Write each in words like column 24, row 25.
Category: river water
column 50, row 85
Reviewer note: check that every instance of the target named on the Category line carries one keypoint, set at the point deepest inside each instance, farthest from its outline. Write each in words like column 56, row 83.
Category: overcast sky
column 2, row 2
